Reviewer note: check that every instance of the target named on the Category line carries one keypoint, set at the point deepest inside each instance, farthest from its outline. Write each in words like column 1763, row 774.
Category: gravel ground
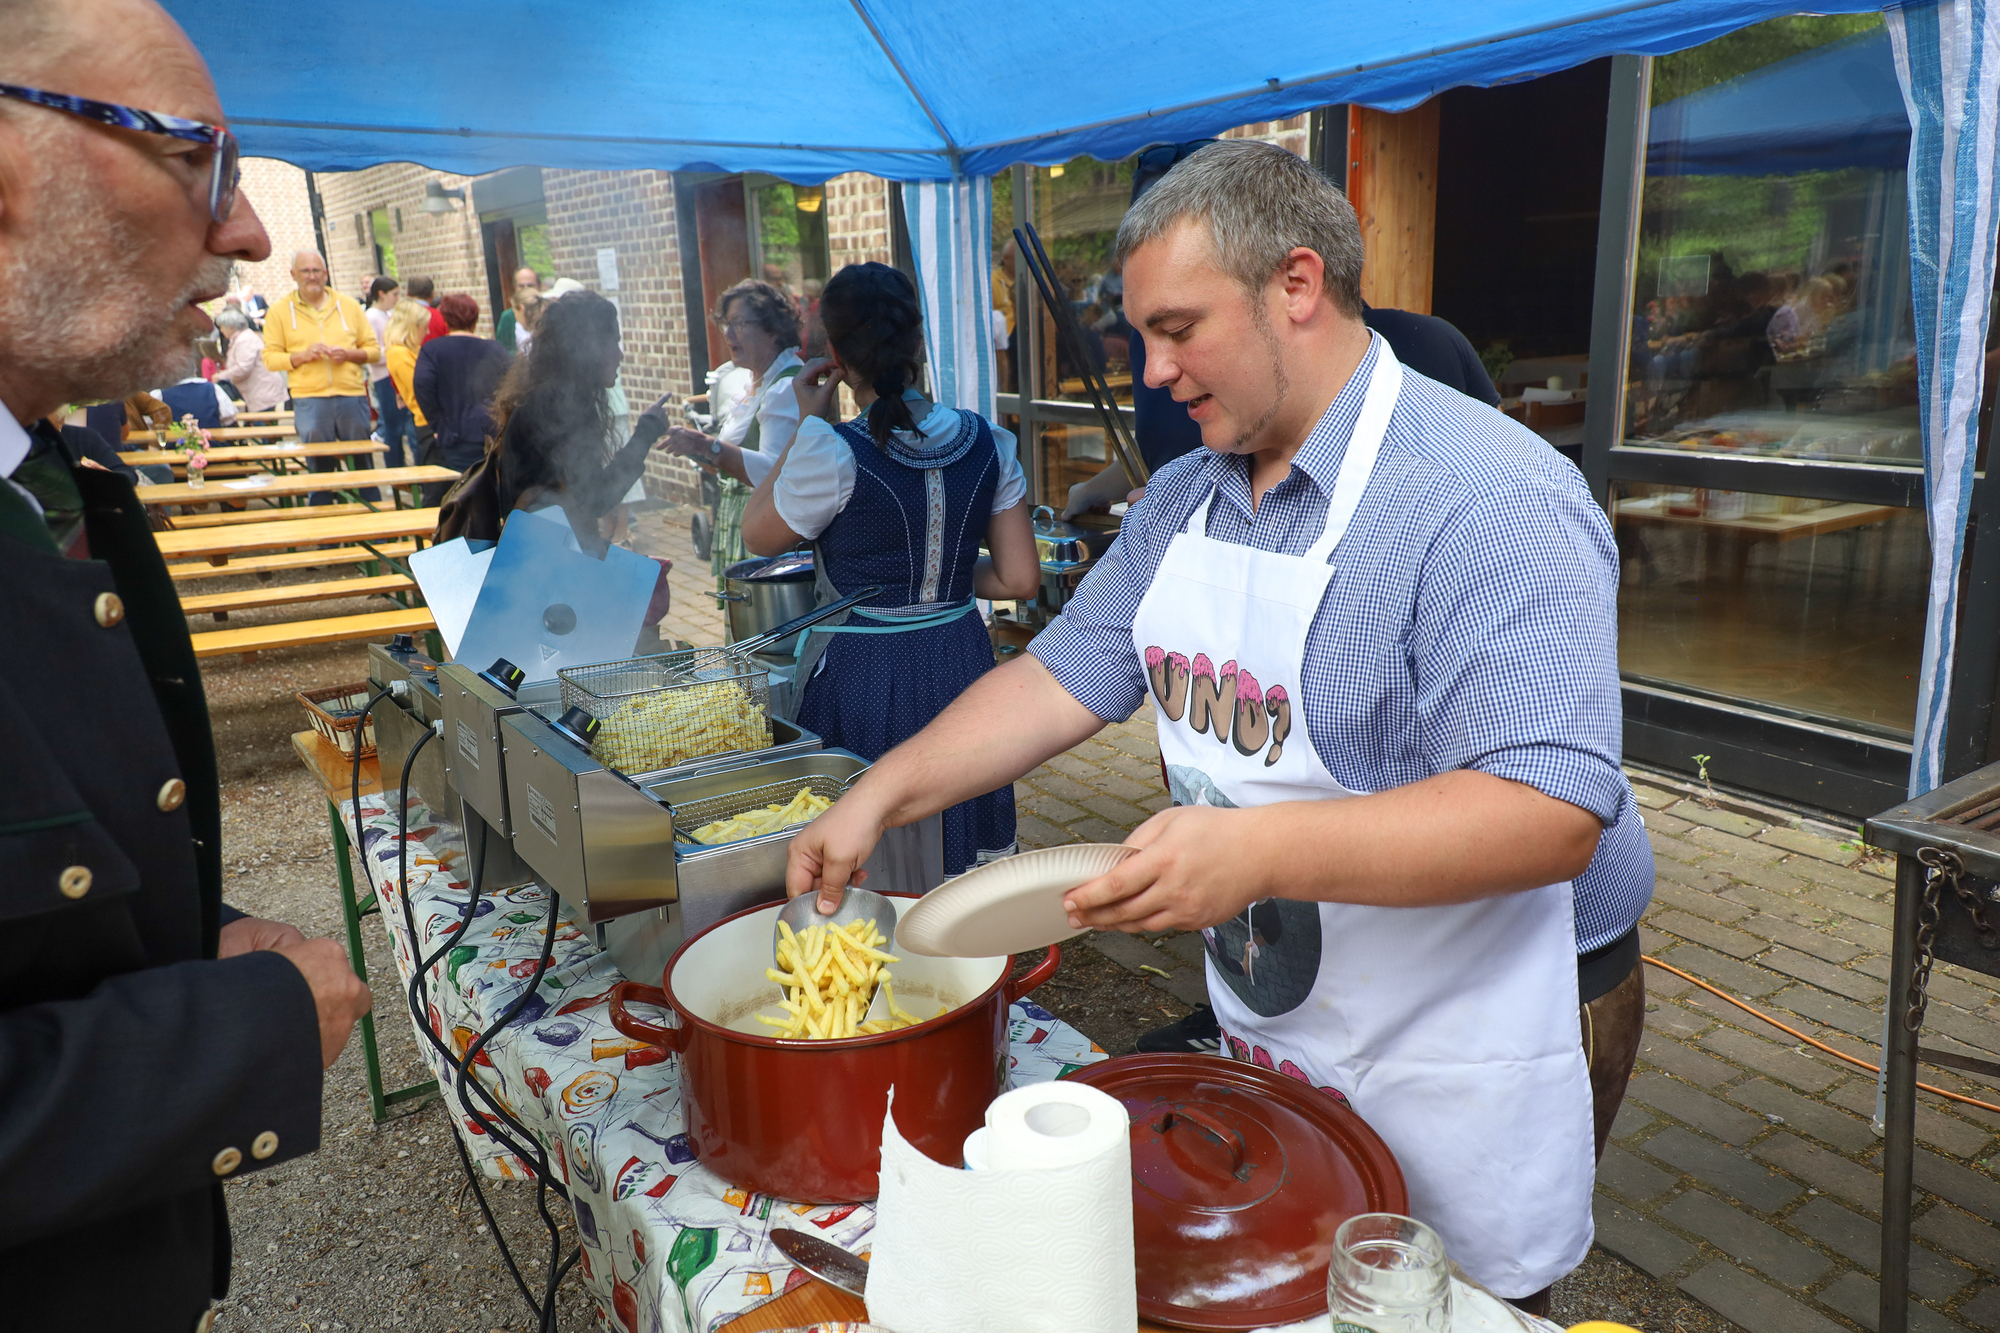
column 377, row 1230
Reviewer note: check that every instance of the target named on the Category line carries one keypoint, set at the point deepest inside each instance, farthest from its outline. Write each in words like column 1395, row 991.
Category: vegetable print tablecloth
column 668, row 1247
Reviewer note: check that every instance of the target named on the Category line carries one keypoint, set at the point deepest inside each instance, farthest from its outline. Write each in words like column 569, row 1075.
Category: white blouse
column 818, row 479
column 775, row 409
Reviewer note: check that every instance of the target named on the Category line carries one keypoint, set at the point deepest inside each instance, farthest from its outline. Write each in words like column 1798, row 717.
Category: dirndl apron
column 725, row 544
column 1451, row 1030
column 871, row 677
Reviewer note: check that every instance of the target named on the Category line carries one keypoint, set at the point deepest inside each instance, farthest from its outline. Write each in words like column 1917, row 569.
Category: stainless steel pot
column 764, row 592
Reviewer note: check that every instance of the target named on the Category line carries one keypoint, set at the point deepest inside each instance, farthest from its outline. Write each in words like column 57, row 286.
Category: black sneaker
column 1197, row 1034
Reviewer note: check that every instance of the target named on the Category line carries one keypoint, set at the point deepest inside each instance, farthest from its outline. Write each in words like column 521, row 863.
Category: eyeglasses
column 224, row 172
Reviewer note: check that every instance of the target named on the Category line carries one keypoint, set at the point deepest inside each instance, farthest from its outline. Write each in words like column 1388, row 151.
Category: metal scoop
column 856, row 904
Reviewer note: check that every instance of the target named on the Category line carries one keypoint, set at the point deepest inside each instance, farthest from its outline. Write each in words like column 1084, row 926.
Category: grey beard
column 66, row 320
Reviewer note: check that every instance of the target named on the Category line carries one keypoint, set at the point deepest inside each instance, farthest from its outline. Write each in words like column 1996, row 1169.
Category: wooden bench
column 224, row 433
column 220, row 604
column 228, row 517
column 294, row 484
column 256, row 453
column 224, row 543
column 266, row 565
column 250, row 640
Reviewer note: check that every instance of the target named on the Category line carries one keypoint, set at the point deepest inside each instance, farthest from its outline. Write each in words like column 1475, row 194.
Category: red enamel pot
column 803, row 1119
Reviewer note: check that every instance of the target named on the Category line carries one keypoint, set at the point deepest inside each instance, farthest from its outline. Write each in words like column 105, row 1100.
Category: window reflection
column 1811, row 606
column 1077, row 209
column 789, row 243
column 1772, row 303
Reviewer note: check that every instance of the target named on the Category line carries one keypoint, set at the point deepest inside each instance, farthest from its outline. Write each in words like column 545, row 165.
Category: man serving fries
column 1377, row 620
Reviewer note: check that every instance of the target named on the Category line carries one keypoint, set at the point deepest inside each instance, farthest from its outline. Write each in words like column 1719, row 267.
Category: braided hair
column 872, row 319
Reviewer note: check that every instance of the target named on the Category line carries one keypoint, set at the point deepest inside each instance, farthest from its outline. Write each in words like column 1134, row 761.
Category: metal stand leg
column 1899, row 1121
column 351, row 911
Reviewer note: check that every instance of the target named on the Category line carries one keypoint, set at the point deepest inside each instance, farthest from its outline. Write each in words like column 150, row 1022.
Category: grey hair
column 232, row 318
column 1259, row 203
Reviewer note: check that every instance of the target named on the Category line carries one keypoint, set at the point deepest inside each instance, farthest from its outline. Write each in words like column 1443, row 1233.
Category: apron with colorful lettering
column 1451, row 1030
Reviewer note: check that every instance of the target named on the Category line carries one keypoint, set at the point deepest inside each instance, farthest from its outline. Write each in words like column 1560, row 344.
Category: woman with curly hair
column 550, row 418
column 901, row 497
column 760, row 323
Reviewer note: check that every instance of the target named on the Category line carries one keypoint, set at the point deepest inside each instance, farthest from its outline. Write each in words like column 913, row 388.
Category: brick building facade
column 278, row 192
column 444, row 247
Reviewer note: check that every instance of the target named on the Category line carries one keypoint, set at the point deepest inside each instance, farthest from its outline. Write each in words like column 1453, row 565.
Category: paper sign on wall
column 607, row 268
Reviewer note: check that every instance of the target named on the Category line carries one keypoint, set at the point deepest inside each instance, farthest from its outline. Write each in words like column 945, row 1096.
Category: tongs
column 758, row 642
column 1094, row 382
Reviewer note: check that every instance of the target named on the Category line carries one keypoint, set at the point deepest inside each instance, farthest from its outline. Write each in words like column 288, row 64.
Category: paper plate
column 1003, row 907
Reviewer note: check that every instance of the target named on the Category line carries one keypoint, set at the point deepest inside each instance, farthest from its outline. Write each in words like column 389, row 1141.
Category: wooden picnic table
column 264, row 418
column 290, row 484
column 272, row 432
column 218, row 544
column 255, row 453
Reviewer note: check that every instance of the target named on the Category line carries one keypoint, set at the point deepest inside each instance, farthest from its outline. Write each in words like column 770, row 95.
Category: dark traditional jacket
column 136, row 1070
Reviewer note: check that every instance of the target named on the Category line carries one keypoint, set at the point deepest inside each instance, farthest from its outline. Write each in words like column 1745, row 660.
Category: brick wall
column 277, row 190
column 1291, row 133
column 857, row 219
column 444, row 247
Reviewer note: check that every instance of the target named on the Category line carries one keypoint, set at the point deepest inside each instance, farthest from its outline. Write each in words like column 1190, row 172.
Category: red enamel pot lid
column 1239, row 1178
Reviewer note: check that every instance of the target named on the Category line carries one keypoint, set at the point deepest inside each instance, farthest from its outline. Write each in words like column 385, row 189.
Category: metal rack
column 661, row 711
column 1947, row 878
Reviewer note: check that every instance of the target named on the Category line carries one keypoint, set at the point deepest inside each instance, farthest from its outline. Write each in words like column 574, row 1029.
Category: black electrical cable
column 545, row 1309
column 556, row 1269
column 418, row 1004
column 419, row 1009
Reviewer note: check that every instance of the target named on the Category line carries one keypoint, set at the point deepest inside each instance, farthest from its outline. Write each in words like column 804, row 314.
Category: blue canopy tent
column 909, row 90
column 942, row 98
column 1835, row 106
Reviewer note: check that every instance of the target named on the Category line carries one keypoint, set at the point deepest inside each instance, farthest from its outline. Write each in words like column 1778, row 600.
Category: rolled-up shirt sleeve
column 1514, row 647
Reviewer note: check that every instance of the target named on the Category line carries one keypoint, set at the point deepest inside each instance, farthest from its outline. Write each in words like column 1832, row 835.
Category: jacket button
column 226, row 1161
column 110, row 609
column 265, row 1144
column 171, row 795
column 74, row 882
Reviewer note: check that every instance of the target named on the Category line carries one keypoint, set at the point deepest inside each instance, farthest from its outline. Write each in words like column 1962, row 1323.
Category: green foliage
column 532, row 242
column 1751, row 48
column 1761, row 223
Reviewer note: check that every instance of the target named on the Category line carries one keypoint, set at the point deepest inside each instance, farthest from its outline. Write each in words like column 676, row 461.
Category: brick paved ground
column 1743, row 1171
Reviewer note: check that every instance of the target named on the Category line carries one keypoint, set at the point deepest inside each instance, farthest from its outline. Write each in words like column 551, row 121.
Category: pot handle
column 1035, row 975
column 721, row 597
column 672, row 1039
column 1209, row 1125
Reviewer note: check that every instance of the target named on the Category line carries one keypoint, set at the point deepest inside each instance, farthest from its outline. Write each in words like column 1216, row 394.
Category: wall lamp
column 438, row 199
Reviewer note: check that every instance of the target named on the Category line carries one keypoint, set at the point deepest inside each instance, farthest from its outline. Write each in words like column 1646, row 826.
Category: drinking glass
column 1389, row 1275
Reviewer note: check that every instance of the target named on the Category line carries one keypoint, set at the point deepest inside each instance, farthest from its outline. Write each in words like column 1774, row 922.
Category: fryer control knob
column 579, row 725
column 506, row 675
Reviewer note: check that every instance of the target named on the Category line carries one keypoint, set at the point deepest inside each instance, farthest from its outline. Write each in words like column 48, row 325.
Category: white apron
column 1451, row 1030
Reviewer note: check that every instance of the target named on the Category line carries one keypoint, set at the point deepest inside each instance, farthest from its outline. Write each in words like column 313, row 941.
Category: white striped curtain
column 951, row 230
column 1948, row 61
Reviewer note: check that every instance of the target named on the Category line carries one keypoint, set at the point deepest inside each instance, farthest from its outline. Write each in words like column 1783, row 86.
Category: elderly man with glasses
column 153, row 1041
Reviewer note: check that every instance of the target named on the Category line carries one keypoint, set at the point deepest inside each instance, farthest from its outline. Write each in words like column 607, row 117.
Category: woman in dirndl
column 760, row 324
column 902, row 496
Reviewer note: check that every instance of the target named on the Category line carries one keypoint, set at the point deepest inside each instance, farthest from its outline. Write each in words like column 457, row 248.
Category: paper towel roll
column 1010, row 1249
column 1049, row 1125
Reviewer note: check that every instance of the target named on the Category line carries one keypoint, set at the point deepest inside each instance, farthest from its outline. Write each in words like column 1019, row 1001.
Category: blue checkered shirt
column 1472, row 623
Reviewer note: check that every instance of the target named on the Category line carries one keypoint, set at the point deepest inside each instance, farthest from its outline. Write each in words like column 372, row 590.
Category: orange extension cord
column 1817, row 1045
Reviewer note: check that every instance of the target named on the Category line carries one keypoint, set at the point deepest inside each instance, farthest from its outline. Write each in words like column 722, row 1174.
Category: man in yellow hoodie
column 320, row 340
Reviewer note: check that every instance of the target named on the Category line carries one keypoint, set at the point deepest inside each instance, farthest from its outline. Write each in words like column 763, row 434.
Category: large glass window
column 1772, row 279
column 788, row 240
column 1809, row 607
column 1077, row 208
column 1771, row 342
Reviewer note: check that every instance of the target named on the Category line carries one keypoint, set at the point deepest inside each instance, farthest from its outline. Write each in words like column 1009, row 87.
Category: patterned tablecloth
column 668, row 1247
